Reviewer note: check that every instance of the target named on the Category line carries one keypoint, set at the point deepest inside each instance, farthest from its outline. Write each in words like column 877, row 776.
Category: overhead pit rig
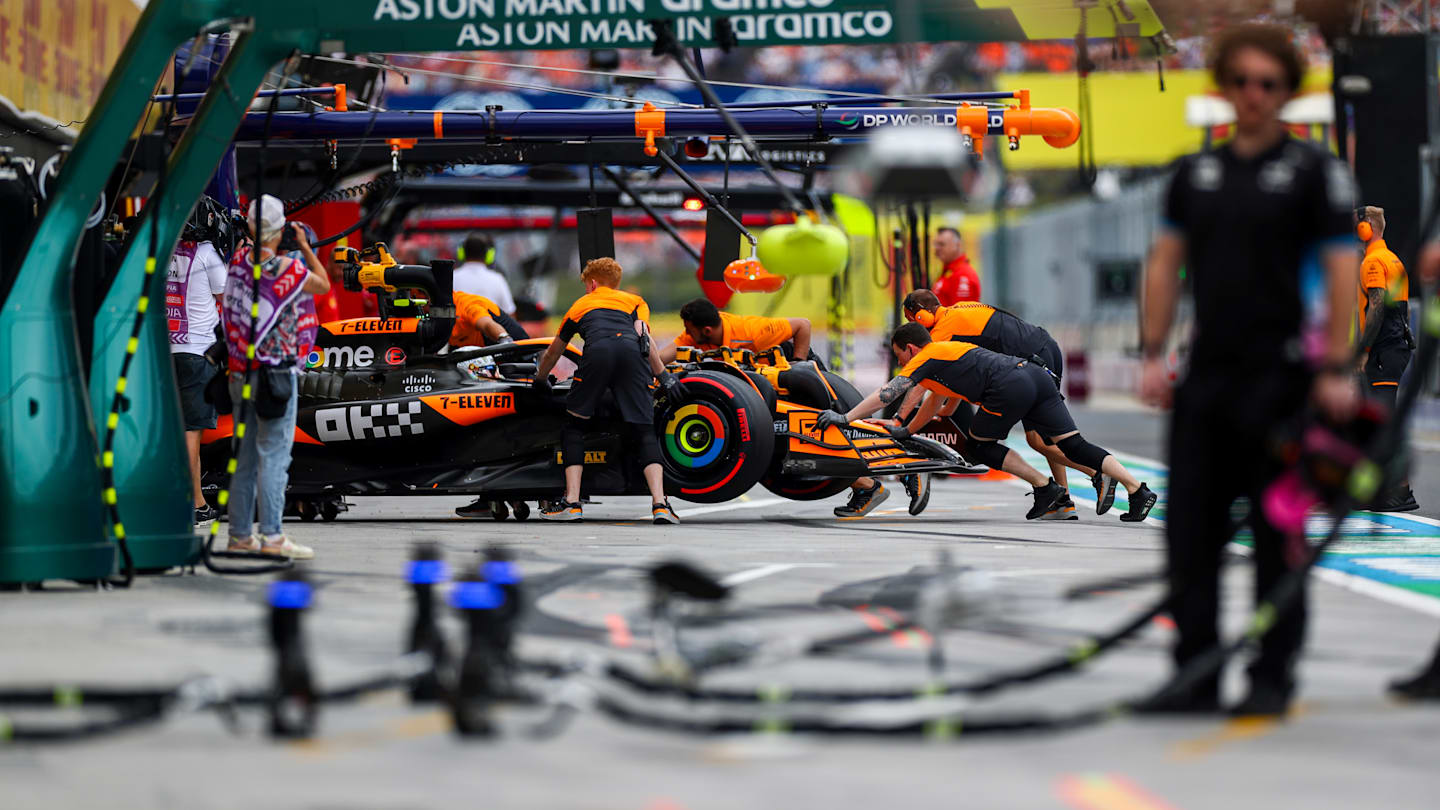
column 60, row 490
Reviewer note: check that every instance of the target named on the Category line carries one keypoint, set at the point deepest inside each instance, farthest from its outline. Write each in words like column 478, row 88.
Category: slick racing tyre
column 717, row 442
column 813, row 488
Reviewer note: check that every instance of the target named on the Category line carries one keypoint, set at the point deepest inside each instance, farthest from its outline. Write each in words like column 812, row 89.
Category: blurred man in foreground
column 1254, row 221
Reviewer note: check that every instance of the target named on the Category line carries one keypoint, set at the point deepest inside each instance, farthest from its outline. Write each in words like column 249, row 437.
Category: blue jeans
column 264, row 465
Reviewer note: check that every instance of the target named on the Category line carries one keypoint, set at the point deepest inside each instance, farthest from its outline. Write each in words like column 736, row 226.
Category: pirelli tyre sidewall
column 717, row 442
column 811, row 488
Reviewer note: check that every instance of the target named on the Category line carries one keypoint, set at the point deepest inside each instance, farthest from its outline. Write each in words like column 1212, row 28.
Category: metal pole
column 704, row 195
column 751, row 147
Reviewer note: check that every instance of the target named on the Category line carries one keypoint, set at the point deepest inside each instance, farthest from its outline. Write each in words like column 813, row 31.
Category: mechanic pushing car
column 1005, row 333
column 1005, row 390
column 621, row 358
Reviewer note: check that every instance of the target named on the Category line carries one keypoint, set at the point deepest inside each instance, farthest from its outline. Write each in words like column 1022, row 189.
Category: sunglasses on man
column 1241, row 81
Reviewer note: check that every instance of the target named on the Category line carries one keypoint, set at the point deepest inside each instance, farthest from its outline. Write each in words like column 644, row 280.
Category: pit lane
column 1348, row 746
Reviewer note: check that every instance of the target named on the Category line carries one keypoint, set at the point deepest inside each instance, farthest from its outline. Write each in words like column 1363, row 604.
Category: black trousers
column 1222, row 422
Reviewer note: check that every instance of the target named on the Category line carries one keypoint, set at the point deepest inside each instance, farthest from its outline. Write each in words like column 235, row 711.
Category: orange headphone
column 922, row 316
column 1363, row 228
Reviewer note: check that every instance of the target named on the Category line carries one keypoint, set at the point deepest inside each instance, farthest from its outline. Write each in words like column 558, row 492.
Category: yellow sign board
column 55, row 55
column 1132, row 121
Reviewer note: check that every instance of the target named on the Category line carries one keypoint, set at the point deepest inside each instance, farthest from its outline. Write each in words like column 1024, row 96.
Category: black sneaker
column 1400, row 499
column 1266, row 699
column 662, row 513
column 1141, row 502
column 479, row 509
column 560, row 510
column 1046, row 498
column 1425, row 686
column 1064, row 510
column 1104, row 492
column 205, row 514
column 863, row 501
column 1181, row 703
column 917, row 486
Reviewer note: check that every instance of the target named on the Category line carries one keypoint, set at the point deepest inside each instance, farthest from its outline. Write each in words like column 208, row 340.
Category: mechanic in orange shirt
column 480, row 322
column 1006, row 333
column 620, row 360
column 1005, row 390
column 958, row 281
column 1385, row 343
column 706, row 328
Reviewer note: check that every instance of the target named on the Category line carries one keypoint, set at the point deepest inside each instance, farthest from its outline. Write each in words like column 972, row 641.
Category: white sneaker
column 248, row 543
column 281, row 546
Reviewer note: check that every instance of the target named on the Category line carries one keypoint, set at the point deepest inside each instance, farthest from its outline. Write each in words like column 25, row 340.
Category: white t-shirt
column 196, row 275
column 477, row 279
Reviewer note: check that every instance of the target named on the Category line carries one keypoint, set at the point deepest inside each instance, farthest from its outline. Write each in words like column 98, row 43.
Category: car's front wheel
column 717, row 441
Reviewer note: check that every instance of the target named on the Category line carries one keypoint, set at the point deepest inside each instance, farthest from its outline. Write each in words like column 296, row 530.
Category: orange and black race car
column 383, row 412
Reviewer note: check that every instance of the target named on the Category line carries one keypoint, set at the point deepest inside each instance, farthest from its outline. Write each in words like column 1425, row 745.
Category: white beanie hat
column 272, row 217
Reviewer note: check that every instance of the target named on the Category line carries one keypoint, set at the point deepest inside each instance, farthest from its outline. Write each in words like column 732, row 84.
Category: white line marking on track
column 729, row 507
column 753, row 574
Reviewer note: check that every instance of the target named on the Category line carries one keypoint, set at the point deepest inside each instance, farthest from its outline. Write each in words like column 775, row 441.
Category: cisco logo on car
column 418, row 383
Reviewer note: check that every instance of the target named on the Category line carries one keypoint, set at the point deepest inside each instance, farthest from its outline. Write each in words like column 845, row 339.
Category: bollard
column 484, row 671
column 500, row 570
column 427, row 570
column 291, row 703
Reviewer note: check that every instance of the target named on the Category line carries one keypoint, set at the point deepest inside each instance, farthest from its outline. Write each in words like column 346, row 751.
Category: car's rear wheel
column 806, row 487
column 717, row 441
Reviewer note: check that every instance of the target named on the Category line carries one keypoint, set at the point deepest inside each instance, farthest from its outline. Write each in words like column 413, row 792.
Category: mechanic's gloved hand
column 504, row 339
column 829, row 418
column 542, row 384
column 898, row 432
column 670, row 385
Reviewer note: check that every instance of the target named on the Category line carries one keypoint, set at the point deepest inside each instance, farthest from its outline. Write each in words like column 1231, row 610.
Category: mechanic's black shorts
column 1053, row 359
column 1387, row 364
column 615, row 365
column 192, row 372
column 1025, row 394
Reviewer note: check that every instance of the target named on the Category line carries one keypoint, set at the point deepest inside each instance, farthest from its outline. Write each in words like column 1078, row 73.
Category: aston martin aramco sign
column 561, row 24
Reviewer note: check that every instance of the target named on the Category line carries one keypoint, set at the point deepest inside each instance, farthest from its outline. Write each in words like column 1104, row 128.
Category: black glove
column 670, row 385
column 541, row 384
column 828, row 418
column 898, row 432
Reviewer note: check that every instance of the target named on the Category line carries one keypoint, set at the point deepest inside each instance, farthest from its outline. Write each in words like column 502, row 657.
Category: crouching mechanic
column 707, row 328
column 1004, row 333
column 1005, row 390
column 621, row 358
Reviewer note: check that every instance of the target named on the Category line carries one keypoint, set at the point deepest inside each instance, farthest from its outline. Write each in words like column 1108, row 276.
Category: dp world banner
column 450, row 25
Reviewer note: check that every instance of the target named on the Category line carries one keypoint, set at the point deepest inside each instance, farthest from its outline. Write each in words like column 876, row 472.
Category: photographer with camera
column 194, row 284
column 267, row 366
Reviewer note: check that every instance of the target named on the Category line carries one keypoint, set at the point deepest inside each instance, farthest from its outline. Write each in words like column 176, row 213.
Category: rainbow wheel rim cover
column 695, row 435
